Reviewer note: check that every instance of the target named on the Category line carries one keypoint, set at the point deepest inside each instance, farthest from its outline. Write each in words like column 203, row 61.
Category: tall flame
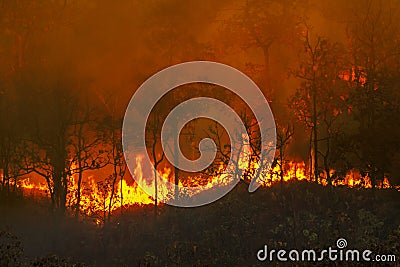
column 97, row 195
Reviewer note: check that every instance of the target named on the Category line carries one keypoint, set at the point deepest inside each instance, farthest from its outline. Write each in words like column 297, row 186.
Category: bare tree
column 87, row 151
column 284, row 137
column 153, row 131
column 113, row 139
column 375, row 48
column 11, row 150
column 244, row 156
column 60, row 143
column 263, row 25
column 319, row 100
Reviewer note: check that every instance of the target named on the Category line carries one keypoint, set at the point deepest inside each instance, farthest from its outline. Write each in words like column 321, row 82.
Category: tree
column 284, row 137
column 319, row 101
column 262, row 25
column 153, row 131
column 11, row 150
column 51, row 138
column 374, row 41
column 61, row 141
column 86, row 150
column 20, row 34
column 244, row 156
column 112, row 131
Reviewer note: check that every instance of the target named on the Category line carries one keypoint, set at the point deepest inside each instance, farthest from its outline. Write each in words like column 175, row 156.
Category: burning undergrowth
column 97, row 202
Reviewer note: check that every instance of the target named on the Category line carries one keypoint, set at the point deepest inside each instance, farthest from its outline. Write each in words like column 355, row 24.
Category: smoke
column 109, row 49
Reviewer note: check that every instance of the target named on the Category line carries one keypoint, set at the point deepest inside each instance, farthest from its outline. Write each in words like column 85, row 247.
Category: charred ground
column 229, row 232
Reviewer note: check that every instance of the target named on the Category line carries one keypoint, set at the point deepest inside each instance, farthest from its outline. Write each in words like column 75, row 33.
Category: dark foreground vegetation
column 228, row 232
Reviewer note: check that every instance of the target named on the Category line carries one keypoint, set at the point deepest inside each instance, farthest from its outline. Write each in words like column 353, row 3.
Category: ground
column 228, row 232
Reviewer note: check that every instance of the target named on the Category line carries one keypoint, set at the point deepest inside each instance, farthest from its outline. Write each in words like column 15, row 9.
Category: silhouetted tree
column 112, row 127
column 319, row 100
column 153, row 132
column 87, row 149
column 263, row 25
column 284, row 137
column 374, row 41
column 11, row 149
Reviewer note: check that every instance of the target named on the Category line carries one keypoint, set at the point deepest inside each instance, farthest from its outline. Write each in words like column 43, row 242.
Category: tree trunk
column 155, row 192
column 122, row 198
column 64, row 192
column 112, row 193
column 78, row 193
column 176, row 169
column 281, row 164
column 315, row 133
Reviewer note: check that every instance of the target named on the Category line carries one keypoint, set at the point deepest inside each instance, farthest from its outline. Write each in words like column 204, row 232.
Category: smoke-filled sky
column 109, row 48
column 113, row 47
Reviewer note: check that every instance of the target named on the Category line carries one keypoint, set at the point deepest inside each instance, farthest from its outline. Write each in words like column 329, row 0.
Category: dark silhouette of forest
column 330, row 71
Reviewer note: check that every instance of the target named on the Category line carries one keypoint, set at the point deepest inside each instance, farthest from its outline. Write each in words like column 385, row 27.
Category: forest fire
column 72, row 72
column 97, row 197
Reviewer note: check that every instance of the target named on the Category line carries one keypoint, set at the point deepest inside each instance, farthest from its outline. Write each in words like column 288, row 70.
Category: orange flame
column 96, row 195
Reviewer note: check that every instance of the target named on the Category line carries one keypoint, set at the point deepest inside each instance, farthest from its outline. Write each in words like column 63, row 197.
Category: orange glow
column 353, row 76
column 354, row 179
column 96, row 195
